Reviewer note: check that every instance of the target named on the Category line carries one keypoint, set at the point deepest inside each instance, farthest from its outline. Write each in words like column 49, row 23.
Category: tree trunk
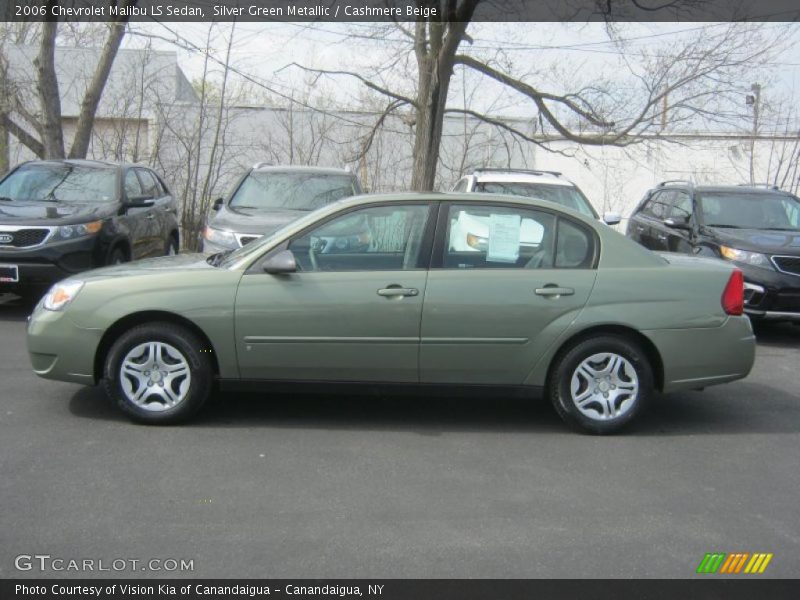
column 435, row 46
column 434, row 83
column 5, row 158
column 47, row 84
column 83, row 132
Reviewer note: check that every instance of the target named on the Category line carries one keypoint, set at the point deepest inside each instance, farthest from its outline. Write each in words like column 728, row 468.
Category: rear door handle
column 394, row 292
column 554, row 291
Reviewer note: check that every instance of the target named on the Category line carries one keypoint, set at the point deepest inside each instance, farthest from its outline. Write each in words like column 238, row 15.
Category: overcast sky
column 556, row 52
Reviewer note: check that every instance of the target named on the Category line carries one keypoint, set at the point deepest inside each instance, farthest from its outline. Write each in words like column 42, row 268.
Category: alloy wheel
column 155, row 376
column 604, row 386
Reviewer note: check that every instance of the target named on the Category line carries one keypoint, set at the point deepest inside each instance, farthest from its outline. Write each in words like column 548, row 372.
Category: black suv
column 755, row 227
column 59, row 217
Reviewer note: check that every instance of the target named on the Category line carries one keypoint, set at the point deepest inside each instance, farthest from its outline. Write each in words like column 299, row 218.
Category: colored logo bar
column 736, row 562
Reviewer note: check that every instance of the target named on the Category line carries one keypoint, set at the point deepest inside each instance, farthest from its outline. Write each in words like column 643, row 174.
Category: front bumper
column 45, row 265
column 59, row 349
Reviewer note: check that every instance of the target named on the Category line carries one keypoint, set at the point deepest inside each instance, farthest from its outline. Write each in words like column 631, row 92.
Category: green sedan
column 423, row 290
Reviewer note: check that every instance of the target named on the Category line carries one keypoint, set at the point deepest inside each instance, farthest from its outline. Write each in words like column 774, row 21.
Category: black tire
column 188, row 346
column 117, row 256
column 172, row 246
column 629, row 405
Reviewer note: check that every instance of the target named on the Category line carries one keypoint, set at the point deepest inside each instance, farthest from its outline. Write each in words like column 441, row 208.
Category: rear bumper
column 696, row 358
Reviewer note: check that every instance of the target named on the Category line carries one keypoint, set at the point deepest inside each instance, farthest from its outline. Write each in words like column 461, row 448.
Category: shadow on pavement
column 782, row 335
column 753, row 409
column 16, row 308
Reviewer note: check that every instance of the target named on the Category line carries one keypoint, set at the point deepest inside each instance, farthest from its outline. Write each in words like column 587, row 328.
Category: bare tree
column 684, row 83
column 42, row 133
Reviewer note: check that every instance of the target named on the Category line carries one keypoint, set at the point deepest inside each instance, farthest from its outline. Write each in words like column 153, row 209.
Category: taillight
column 733, row 296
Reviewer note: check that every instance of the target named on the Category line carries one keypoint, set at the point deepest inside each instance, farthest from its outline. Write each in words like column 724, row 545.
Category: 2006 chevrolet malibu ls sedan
column 399, row 289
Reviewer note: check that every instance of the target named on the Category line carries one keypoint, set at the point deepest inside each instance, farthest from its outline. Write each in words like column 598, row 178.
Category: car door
column 159, row 217
column 138, row 220
column 649, row 221
column 680, row 212
column 505, row 282
column 352, row 310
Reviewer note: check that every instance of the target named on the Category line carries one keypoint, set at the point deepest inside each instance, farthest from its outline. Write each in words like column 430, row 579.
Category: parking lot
column 380, row 487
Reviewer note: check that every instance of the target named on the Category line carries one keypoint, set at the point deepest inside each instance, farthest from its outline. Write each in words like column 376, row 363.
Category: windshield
column 568, row 196
column 295, row 191
column 750, row 211
column 59, row 183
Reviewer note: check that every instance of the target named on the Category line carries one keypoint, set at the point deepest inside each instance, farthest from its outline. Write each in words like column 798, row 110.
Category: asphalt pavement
column 382, row 487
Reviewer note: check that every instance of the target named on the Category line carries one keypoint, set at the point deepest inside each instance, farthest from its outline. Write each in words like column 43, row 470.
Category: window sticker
column 503, row 238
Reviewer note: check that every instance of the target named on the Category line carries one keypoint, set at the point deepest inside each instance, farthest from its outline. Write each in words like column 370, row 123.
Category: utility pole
column 754, row 100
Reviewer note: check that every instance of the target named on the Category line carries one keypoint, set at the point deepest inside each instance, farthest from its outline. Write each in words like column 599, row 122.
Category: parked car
column 755, row 228
column 60, row 217
column 544, row 185
column 589, row 317
column 267, row 198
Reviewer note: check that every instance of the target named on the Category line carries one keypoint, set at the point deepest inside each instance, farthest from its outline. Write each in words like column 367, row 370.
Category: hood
column 164, row 264
column 759, row 240
column 53, row 213
column 261, row 221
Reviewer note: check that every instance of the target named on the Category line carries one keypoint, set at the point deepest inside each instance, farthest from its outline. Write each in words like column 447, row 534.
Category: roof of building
column 155, row 73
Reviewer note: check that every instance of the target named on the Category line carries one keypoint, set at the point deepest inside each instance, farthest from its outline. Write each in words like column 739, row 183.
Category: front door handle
column 395, row 292
column 553, row 291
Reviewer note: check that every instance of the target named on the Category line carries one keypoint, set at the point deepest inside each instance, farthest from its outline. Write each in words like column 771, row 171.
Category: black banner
column 401, row 10
column 394, row 589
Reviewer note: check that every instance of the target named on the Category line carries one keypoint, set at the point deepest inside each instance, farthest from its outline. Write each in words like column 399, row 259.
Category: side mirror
column 140, row 202
column 280, row 264
column 673, row 223
column 217, row 204
column 611, row 218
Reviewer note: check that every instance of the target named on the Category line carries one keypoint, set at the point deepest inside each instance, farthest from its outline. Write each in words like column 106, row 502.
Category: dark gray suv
column 268, row 197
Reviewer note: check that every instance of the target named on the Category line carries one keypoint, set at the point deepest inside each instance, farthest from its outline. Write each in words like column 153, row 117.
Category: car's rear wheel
column 601, row 383
column 172, row 246
column 157, row 373
column 117, row 257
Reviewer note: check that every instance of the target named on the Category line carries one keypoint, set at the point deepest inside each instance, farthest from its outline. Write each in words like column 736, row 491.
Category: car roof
column 483, row 198
column 266, row 168
column 78, row 162
column 726, row 189
column 522, row 176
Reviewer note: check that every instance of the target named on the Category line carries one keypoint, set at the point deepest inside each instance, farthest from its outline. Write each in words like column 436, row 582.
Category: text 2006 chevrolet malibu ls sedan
column 382, row 290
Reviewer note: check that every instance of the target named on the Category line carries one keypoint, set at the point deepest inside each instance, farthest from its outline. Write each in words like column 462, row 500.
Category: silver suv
column 544, row 185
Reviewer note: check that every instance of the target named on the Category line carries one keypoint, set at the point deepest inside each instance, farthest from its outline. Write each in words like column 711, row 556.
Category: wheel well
column 647, row 346
column 126, row 323
column 122, row 245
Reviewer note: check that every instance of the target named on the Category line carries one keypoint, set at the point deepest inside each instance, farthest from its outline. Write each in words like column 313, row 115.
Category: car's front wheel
column 157, row 373
column 601, row 383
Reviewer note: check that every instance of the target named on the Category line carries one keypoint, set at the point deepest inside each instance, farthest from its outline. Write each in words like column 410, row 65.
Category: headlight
column 220, row 237
column 69, row 232
column 755, row 259
column 61, row 294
